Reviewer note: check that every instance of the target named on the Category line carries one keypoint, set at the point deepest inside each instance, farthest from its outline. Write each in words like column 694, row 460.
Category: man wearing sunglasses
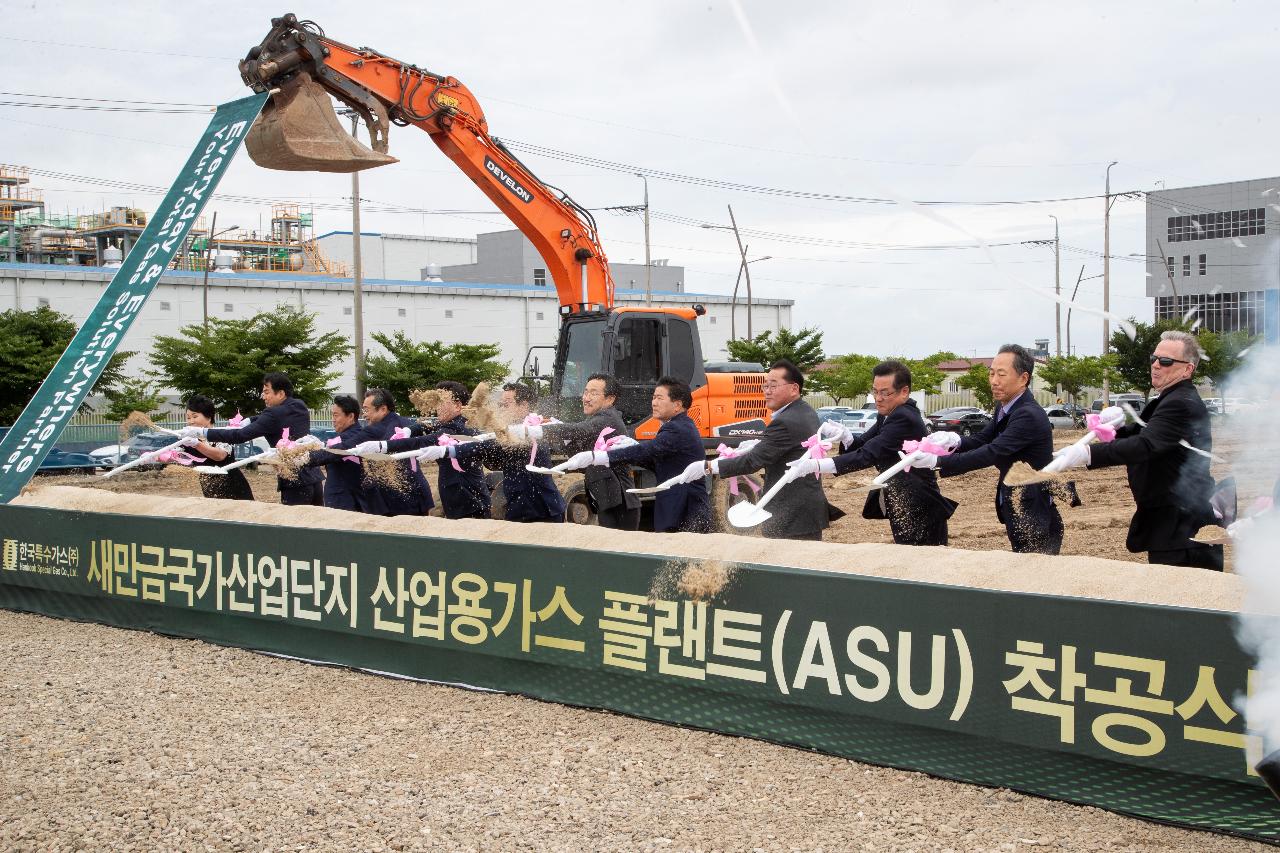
column 1170, row 483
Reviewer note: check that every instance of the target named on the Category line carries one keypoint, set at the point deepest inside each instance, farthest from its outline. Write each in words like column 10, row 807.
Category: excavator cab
column 637, row 346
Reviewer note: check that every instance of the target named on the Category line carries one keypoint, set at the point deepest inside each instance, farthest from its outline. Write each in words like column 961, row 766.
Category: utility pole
column 358, row 308
column 745, row 268
column 648, row 264
column 208, row 259
column 1106, row 284
column 1057, row 287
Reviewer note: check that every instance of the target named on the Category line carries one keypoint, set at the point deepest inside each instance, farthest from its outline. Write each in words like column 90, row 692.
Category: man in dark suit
column 1019, row 432
column 916, row 510
column 684, row 507
column 800, row 510
column 606, row 485
column 1171, row 484
column 463, row 491
column 342, row 478
column 529, row 497
column 413, row 497
column 283, row 412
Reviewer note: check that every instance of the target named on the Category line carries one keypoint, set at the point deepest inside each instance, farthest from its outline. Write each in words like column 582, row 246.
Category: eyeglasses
column 886, row 393
column 771, row 385
column 1165, row 361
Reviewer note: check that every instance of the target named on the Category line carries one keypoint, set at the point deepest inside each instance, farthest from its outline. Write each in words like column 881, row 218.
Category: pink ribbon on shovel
column 334, row 442
column 284, row 443
column 237, row 421
column 533, row 419
column 726, row 452
column 815, row 450
column 180, row 457
column 604, row 445
column 924, row 446
column 450, row 441
column 1101, row 430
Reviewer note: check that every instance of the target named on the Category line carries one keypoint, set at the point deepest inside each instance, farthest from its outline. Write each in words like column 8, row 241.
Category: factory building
column 1216, row 248
column 517, row 317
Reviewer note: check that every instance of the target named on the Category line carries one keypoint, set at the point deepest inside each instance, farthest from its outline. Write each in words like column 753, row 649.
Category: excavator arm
column 299, row 131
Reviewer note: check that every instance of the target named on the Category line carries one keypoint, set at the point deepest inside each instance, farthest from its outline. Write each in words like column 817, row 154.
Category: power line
column 105, row 100
column 120, row 49
column 675, row 177
column 90, row 108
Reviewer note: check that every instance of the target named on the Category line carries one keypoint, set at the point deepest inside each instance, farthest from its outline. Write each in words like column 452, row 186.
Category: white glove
column 949, row 440
column 920, row 459
column 1112, row 415
column 694, row 472
column 621, row 442
column 832, row 431
column 190, row 441
column 1073, row 456
column 745, row 447
column 433, row 454
column 714, row 466
column 366, row 447
column 806, row 465
column 1239, row 526
column 521, row 432
column 585, row 459
column 193, row 432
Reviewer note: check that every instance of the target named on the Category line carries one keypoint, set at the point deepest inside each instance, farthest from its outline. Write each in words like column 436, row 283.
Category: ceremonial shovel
column 747, row 514
column 143, row 459
column 661, row 487
column 411, row 454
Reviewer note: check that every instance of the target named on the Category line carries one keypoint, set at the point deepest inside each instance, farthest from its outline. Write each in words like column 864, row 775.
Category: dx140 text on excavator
column 298, row 130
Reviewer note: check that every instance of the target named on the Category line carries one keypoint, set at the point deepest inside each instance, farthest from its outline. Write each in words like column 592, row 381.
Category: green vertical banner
column 59, row 397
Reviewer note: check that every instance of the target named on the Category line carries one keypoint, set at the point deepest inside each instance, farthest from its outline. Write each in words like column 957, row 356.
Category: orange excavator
column 298, row 130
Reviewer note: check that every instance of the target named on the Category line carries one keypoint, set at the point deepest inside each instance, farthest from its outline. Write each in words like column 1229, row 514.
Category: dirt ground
column 123, row 740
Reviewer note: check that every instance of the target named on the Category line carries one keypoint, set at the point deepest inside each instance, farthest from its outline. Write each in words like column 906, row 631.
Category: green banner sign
column 33, row 435
column 1125, row 706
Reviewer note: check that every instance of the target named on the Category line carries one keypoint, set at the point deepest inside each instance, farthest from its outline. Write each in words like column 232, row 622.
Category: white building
column 399, row 257
column 1216, row 248
column 516, row 317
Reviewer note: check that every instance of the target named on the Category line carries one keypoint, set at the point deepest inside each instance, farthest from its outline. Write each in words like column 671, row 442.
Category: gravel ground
column 130, row 741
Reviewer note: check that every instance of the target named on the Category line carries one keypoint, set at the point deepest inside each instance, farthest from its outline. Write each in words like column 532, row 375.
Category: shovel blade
column 747, row 515
column 298, row 131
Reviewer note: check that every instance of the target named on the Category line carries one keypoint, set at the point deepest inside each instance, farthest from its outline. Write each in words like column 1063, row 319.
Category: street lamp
column 733, row 304
column 743, row 269
column 357, row 265
column 1057, row 285
column 1079, row 279
column 648, row 267
column 1106, row 282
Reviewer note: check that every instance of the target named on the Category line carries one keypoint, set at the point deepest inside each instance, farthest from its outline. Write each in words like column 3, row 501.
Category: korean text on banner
column 31, row 437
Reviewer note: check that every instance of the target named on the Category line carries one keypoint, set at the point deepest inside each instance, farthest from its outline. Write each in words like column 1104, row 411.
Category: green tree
column 31, row 342
column 848, row 379
column 1073, row 373
column 410, row 364
column 975, row 380
column 1132, row 356
column 135, row 394
column 802, row 348
column 925, row 375
column 1222, row 354
column 226, row 361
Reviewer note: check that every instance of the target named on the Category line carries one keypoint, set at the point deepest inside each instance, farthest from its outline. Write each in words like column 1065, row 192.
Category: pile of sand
column 1078, row 576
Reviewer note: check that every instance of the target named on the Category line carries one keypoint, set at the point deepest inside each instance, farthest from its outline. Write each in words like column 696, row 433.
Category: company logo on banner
column 33, row 435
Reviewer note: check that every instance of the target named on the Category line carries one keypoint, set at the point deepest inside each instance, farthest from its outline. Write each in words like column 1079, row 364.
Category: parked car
column 1135, row 400
column 117, row 454
column 1060, row 417
column 962, row 423
column 859, row 422
column 835, row 413
column 65, row 462
column 931, row 421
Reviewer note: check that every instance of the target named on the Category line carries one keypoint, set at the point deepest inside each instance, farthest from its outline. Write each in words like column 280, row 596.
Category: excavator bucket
column 298, row 131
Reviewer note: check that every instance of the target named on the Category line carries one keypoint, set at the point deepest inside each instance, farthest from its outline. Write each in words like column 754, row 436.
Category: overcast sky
column 931, row 101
